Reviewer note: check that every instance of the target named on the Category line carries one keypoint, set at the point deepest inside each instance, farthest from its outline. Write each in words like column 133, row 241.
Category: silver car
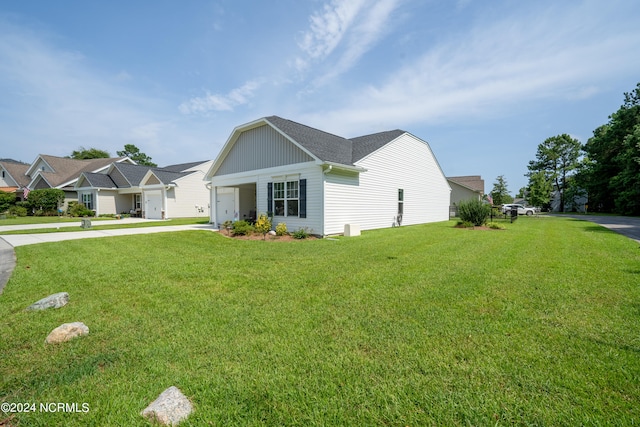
column 522, row 210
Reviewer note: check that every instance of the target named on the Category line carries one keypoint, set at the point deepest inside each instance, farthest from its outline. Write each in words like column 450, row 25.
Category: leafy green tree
column 539, row 190
column 134, row 154
column 89, row 153
column 500, row 192
column 6, row 200
column 557, row 157
column 45, row 200
column 612, row 175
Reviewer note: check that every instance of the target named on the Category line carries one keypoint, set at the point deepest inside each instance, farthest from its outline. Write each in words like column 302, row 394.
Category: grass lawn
column 95, row 225
column 423, row 325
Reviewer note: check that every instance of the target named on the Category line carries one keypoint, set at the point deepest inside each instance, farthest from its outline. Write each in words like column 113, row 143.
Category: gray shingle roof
column 323, row 145
column 99, row 180
column 365, row 145
column 167, row 177
column 182, row 166
column 132, row 173
column 332, row 148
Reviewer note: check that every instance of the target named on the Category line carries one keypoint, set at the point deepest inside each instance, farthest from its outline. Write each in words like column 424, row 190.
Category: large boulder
column 66, row 332
column 52, row 301
column 170, row 408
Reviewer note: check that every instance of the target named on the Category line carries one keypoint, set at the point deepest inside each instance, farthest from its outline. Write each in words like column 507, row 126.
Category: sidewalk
column 30, row 239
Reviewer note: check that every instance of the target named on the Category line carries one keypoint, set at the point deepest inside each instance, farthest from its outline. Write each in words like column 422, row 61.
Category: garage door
column 154, row 205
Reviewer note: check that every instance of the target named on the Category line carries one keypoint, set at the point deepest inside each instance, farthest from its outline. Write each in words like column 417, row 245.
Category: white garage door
column 154, row 205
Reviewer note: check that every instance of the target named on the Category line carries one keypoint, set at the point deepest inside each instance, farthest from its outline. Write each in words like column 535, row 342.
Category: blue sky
column 484, row 82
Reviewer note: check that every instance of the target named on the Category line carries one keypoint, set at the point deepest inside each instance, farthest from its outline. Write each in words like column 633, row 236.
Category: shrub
column 300, row 233
column 281, row 229
column 77, row 209
column 227, row 225
column 18, row 211
column 262, row 225
column 496, row 226
column 474, row 211
column 242, row 228
column 46, row 200
column 6, row 200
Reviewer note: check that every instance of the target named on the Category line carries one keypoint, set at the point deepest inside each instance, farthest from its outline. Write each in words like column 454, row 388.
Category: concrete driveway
column 626, row 225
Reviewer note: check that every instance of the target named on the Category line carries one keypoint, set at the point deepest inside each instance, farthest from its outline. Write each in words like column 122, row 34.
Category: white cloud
column 345, row 30
column 491, row 69
column 215, row 102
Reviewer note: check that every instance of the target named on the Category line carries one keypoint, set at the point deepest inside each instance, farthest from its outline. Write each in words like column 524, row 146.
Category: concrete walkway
column 9, row 241
column 626, row 225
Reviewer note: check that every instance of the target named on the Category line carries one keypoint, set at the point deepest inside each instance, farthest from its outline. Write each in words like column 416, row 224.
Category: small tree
column 474, row 211
column 540, row 188
column 46, row 200
column 500, row 193
column 263, row 225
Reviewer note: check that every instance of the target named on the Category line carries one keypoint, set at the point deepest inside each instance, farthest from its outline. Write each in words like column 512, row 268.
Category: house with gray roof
column 308, row 178
column 48, row 171
column 174, row 191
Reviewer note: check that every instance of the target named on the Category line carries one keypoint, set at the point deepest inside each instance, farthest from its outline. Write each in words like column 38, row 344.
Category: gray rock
column 170, row 408
column 66, row 332
column 52, row 301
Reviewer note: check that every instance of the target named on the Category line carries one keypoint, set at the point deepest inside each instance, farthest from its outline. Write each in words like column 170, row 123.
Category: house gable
column 260, row 148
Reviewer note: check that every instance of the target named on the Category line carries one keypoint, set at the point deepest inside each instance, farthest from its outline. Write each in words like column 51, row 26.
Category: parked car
column 522, row 210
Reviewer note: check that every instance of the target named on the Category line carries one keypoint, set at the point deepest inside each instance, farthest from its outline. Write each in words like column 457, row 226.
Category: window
column 138, row 201
column 87, row 200
column 400, row 201
column 286, row 198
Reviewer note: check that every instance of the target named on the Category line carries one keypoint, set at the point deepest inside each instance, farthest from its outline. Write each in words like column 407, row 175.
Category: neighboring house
column 577, row 204
column 312, row 179
column 150, row 192
column 54, row 172
column 14, row 178
column 465, row 188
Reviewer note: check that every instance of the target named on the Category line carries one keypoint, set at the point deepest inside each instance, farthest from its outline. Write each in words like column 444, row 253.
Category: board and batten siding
column 260, row 148
column 370, row 199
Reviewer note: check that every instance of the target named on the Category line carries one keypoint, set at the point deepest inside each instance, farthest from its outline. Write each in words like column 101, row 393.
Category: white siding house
column 176, row 191
column 311, row 179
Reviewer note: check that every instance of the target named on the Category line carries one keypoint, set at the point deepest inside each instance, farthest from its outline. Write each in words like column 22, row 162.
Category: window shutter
column 269, row 198
column 303, row 198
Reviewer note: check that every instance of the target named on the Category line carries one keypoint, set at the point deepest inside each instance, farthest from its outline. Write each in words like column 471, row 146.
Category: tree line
column 605, row 171
column 130, row 151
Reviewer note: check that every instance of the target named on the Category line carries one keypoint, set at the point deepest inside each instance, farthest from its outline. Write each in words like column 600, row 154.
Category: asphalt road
column 626, row 225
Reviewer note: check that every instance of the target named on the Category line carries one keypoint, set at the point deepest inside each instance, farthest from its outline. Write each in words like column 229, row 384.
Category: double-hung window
column 87, row 200
column 285, row 198
column 288, row 198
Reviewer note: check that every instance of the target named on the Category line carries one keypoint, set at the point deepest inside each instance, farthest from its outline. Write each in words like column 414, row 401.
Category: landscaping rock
column 170, row 408
column 272, row 233
column 52, row 301
column 66, row 332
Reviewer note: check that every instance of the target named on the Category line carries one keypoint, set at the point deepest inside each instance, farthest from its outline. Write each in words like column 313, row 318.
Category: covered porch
column 234, row 202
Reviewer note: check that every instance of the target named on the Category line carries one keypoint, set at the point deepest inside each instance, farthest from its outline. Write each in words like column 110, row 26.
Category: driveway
column 626, row 225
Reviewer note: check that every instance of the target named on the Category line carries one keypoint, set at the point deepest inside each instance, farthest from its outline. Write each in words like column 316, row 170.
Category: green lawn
column 423, row 325
column 95, row 225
